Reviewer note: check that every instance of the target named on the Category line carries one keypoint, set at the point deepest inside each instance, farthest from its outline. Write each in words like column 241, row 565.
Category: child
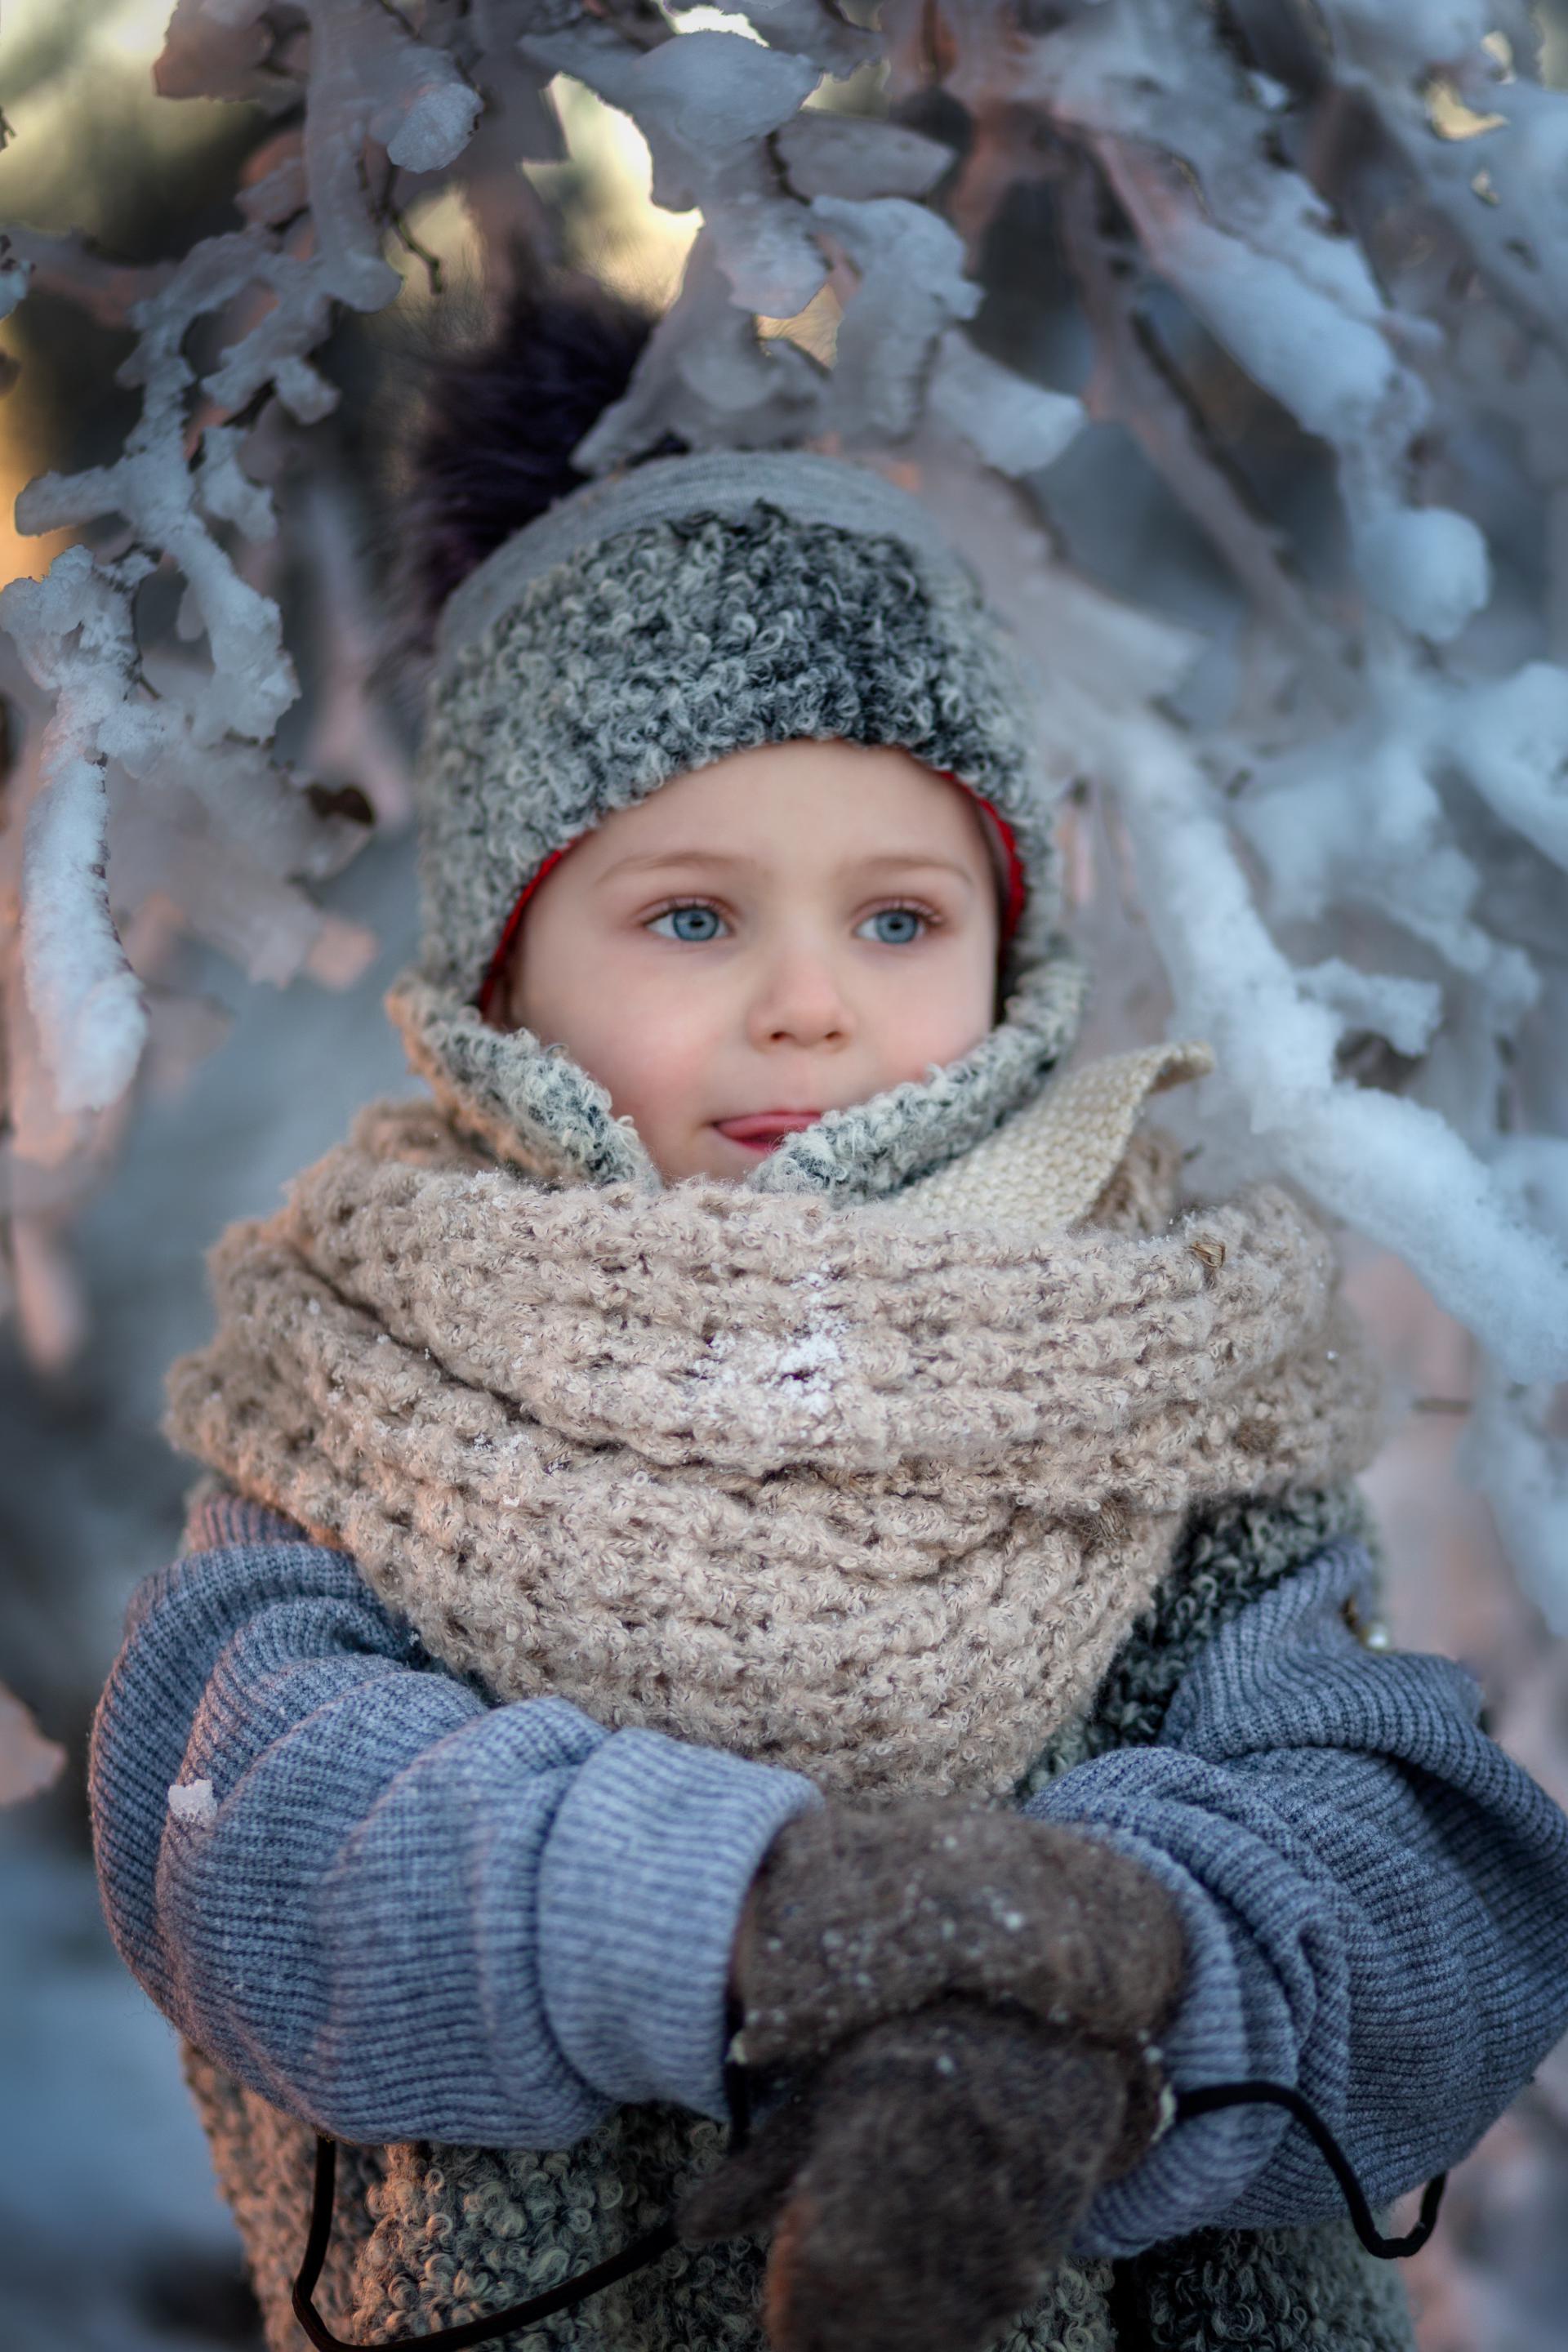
column 752, row 1525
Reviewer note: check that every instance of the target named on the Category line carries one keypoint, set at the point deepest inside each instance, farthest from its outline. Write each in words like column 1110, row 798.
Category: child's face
column 791, row 929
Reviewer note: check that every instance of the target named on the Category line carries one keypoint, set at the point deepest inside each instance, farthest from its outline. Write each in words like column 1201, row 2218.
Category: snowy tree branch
column 1348, row 809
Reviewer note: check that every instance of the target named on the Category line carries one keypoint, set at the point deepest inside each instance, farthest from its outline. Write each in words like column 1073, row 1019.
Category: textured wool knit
column 561, row 1424
column 648, row 626
column 701, row 606
column 1375, row 1898
column 1237, row 1376
column 870, row 1494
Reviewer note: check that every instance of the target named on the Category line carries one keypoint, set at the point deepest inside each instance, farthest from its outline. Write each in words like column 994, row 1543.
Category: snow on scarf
column 872, row 1492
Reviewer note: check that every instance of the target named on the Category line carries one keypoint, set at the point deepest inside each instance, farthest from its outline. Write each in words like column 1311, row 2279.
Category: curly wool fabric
column 873, row 1495
column 427, row 2236
column 533, row 1107
column 668, row 647
column 643, row 648
column 704, row 606
column 430, row 2236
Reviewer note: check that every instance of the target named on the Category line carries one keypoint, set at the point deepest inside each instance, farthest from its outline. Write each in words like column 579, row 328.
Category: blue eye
column 689, row 921
column 907, row 922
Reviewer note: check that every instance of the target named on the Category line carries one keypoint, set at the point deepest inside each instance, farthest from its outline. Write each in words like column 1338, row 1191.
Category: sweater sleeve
column 1375, row 1898
column 395, row 1908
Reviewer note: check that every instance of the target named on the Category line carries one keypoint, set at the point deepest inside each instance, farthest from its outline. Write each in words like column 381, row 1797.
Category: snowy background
column 1231, row 337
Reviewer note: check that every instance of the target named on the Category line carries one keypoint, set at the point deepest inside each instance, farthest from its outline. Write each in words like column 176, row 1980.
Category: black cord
column 636, row 2256
column 1215, row 2096
column 647, row 2249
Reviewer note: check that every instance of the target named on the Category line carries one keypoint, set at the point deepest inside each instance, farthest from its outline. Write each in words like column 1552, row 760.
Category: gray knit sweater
column 402, row 1912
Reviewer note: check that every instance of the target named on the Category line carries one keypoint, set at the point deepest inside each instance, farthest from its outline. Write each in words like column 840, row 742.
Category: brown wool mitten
column 860, row 1914
column 921, row 2183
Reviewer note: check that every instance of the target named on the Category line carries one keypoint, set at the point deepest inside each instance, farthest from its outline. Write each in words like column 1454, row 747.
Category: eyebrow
column 903, row 860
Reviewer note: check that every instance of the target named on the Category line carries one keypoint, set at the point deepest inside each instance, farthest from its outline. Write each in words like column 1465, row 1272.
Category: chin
column 712, row 1166
column 717, row 1159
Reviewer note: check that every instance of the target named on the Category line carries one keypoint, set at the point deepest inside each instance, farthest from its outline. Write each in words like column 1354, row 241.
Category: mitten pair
column 966, row 2004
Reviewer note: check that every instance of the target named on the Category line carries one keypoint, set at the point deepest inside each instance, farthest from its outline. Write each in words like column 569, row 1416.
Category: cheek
column 646, row 1036
column 941, row 1013
column 663, row 1066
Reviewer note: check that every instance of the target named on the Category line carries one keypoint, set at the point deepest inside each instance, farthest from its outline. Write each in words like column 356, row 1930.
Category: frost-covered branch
column 1258, row 311
column 311, row 240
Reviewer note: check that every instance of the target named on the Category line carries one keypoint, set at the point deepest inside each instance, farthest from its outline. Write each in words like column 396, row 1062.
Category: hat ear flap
column 525, row 1102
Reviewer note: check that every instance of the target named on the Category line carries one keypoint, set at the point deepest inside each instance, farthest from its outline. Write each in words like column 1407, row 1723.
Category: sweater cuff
column 1194, row 2170
column 640, row 1894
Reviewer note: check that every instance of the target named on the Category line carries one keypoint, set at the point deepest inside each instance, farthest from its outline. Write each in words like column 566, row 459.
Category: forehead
column 801, row 804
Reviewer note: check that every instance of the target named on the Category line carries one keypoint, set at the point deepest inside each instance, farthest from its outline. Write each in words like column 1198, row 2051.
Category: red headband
column 1012, row 876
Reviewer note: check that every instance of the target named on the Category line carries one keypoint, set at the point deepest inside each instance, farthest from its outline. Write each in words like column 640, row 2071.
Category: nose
column 799, row 999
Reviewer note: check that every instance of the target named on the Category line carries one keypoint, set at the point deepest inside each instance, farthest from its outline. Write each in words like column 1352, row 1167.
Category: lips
column 763, row 1128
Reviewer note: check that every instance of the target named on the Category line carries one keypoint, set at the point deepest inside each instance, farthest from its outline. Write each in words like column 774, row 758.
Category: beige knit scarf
column 874, row 1492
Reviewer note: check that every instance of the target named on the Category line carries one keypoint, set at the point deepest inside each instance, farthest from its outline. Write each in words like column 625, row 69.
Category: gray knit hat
column 652, row 624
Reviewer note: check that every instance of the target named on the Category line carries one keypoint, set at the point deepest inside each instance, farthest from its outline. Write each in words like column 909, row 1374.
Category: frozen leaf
column 274, row 187
column 848, row 155
column 216, row 49
column 1017, row 427
column 706, row 104
column 429, row 126
column 762, row 245
column 707, row 378
column 713, row 91
column 304, row 392
column 912, row 285
column 817, row 29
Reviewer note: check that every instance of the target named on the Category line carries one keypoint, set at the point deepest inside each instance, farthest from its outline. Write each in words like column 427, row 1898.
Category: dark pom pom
column 492, row 445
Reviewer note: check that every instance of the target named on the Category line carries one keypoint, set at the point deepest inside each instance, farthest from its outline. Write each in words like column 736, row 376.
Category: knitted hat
column 652, row 624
